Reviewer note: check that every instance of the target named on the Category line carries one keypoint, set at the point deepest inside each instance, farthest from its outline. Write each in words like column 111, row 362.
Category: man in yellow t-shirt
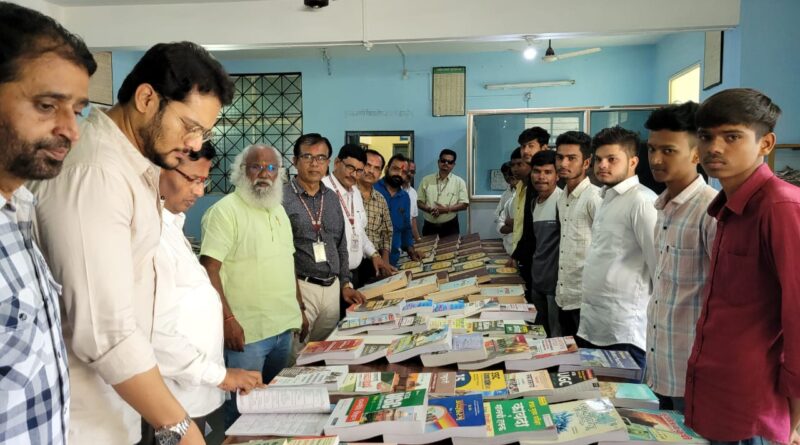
column 247, row 250
column 441, row 196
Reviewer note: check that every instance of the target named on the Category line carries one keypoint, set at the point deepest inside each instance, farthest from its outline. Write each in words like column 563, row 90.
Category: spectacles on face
column 352, row 169
column 256, row 169
column 309, row 158
column 447, row 161
column 194, row 131
column 198, row 180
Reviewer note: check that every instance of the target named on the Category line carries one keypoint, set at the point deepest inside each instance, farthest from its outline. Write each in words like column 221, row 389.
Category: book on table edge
column 654, row 427
column 370, row 353
column 509, row 421
column 362, row 417
column 448, row 417
column 465, row 348
column 584, row 422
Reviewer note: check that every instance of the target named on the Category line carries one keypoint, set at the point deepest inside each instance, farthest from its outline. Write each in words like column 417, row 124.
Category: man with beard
column 318, row 228
column 248, row 252
column 441, row 196
column 100, row 226
column 44, row 84
column 576, row 209
column 187, row 324
column 391, row 187
column 620, row 262
column 531, row 141
column 347, row 168
column 379, row 220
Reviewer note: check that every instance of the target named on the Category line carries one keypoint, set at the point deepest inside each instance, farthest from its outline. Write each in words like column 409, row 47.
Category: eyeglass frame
column 270, row 168
column 195, row 181
column 351, row 169
column 447, row 161
column 309, row 158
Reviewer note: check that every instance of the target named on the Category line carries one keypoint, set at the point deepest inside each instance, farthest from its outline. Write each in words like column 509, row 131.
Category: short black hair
column 678, row 117
column 628, row 140
column 352, row 151
column 538, row 134
column 517, row 153
column 176, row 69
column 370, row 151
column 446, row 151
column 579, row 138
column 739, row 106
column 505, row 169
column 399, row 157
column 207, row 151
column 27, row 34
column 309, row 139
column 544, row 157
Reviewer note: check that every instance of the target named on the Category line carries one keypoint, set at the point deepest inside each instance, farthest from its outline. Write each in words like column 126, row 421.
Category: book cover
column 380, row 287
column 520, row 383
column 503, row 291
column 586, row 418
column 419, row 306
column 518, row 417
column 361, row 322
column 658, row 426
column 375, row 306
column 409, row 342
column 310, row 376
column 448, row 307
column 367, row 416
column 369, row 383
column 547, row 347
column 628, row 392
column 501, row 270
column 455, row 412
column 490, row 384
column 327, row 346
column 480, row 274
column 566, row 379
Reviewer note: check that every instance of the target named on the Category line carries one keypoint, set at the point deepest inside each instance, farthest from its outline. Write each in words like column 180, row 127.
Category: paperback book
column 466, row 348
column 374, row 308
column 556, row 386
column 317, row 351
column 378, row 288
column 369, row 383
column 499, row 350
column 272, row 400
column 448, row 417
column 509, row 421
column 438, row 384
column 455, row 289
column 653, row 427
column 360, row 418
column 547, row 352
column 606, row 363
column 330, row 377
column 415, row 288
column 584, row 422
column 432, row 340
column 489, row 384
column 629, row 395
column 350, row 326
column 370, row 353
column 418, row 307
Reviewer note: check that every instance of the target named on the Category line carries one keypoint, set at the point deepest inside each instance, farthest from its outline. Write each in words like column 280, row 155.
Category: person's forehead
column 319, row 147
column 568, row 149
column 261, row 155
column 609, row 150
column 447, row 156
column 726, row 128
column 200, row 167
column 373, row 159
column 352, row 161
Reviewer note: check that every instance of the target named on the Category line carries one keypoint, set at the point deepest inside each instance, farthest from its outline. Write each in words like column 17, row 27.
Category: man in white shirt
column 100, row 223
column 505, row 209
column 617, row 274
column 347, row 168
column 412, row 195
column 187, row 324
column 576, row 209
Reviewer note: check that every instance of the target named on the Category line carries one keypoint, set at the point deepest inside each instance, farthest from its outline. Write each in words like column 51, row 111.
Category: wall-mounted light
column 525, row 85
column 530, row 52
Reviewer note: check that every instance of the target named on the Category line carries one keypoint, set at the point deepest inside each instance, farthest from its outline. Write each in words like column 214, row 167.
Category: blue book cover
column 455, row 412
column 448, row 306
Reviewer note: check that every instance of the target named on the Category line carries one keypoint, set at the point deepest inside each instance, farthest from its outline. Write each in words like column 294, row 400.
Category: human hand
column 382, row 269
column 511, row 263
column 240, row 380
column 352, row 296
column 234, row 335
column 303, row 328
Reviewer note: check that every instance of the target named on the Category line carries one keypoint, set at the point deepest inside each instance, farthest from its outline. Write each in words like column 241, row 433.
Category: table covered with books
column 445, row 351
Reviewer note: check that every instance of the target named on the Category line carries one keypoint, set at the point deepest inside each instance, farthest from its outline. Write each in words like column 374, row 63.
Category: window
column 685, row 85
column 555, row 125
column 266, row 109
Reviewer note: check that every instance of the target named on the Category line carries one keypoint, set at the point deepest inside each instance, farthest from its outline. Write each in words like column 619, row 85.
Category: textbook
column 447, row 308
column 516, row 299
column 415, row 288
column 271, row 400
column 629, row 395
column 278, row 425
column 424, row 307
column 489, row 384
column 470, row 257
column 555, row 386
column 350, row 326
column 506, row 279
column 497, row 327
column 499, row 270
column 412, row 324
column 499, row 350
column 466, row 348
column 378, row 288
column 438, row 384
column 330, row 377
column 584, row 422
column 547, row 352
column 408, row 346
column 509, row 421
column 653, row 427
column 535, row 331
column 606, row 363
column 480, row 274
column 467, row 265
column 455, row 289
column 489, row 290
column 526, row 312
column 368, row 383
column 370, row 353
column 374, row 308
column 363, row 417
column 316, row 351
column 448, row 417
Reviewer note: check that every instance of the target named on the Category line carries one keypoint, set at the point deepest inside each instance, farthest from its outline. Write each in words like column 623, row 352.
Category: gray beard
column 269, row 198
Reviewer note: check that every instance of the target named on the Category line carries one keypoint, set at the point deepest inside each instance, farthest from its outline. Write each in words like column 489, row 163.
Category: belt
column 324, row 282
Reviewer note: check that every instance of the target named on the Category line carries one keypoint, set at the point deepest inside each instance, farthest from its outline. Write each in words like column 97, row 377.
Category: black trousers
column 444, row 229
column 569, row 321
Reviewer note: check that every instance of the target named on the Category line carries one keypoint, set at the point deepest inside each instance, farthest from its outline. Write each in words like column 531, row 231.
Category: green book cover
column 518, row 416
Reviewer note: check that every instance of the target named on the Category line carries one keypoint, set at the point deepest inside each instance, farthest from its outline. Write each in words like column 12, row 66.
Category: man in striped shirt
column 684, row 236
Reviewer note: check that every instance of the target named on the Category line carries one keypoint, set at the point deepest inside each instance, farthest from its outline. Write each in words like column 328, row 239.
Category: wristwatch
column 173, row 434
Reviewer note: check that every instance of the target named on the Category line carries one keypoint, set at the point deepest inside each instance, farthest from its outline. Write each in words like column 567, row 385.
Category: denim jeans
column 268, row 356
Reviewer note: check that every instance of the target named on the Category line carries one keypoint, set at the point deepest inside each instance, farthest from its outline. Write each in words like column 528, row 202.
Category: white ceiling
column 70, row 3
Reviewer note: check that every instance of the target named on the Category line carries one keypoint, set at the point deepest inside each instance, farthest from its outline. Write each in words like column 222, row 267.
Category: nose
column 198, row 190
column 655, row 158
column 67, row 125
column 194, row 143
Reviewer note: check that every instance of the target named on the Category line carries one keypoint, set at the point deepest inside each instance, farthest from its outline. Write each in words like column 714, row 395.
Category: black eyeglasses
column 308, row 157
column 200, row 180
column 256, row 169
column 447, row 161
column 352, row 169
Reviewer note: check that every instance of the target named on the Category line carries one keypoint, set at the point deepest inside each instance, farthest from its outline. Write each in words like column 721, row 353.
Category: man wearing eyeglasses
column 321, row 256
column 100, row 224
column 441, row 196
column 347, row 168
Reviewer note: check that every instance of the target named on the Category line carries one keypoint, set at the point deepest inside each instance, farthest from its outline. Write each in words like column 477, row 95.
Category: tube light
column 525, row 85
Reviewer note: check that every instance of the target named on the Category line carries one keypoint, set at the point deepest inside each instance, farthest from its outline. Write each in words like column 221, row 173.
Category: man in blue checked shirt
column 44, row 84
column 391, row 187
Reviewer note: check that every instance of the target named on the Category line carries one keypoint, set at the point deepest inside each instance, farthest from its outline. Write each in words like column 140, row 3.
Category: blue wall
column 673, row 54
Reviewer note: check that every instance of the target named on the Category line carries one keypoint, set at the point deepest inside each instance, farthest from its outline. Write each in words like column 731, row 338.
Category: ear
column 146, row 99
column 634, row 162
column 587, row 162
column 295, row 160
column 766, row 144
column 695, row 155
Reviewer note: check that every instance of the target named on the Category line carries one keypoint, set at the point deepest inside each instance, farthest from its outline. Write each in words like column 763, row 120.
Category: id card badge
column 355, row 245
column 319, row 252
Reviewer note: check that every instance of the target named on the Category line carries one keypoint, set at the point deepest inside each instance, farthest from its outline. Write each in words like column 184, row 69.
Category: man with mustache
column 100, row 224
column 321, row 256
column 44, row 85
column 187, row 324
column 379, row 221
column 683, row 239
column 248, row 253
column 743, row 377
column 620, row 262
column 441, row 196
column 531, row 141
column 504, row 208
column 391, row 187
column 576, row 209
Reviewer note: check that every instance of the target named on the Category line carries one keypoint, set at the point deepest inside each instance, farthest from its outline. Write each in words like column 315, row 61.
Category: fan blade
column 582, row 52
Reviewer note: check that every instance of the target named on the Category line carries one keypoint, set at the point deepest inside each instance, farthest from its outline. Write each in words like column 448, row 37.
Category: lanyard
column 351, row 215
column 315, row 223
column 440, row 189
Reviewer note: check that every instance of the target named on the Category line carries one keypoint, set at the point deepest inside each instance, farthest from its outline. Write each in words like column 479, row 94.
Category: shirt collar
column 741, row 197
column 583, row 185
column 623, row 186
column 684, row 196
column 128, row 151
column 322, row 188
column 21, row 196
column 342, row 189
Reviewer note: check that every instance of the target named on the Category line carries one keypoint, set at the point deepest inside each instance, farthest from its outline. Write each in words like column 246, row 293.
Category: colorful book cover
column 353, row 323
column 511, row 329
column 448, row 306
column 454, row 412
column 467, row 342
column 513, row 344
column 565, row 379
column 546, row 347
column 487, row 383
column 375, row 305
column 633, row 391
column 585, row 418
column 369, row 382
column 408, row 342
column 600, row 358
column 519, row 416
column 453, row 285
column 319, row 347
column 485, row 326
column 501, row 270
column 420, row 305
column 372, row 348
column 502, row 291
column 469, row 265
column 657, row 426
column 522, row 382
column 400, row 406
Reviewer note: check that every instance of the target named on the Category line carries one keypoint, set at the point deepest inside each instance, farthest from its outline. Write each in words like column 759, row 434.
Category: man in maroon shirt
column 743, row 378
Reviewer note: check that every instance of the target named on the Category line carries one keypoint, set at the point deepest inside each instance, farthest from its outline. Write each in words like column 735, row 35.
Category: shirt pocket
column 736, row 273
column 20, row 339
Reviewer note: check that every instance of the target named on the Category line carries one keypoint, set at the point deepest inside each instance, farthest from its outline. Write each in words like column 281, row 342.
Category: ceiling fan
column 550, row 54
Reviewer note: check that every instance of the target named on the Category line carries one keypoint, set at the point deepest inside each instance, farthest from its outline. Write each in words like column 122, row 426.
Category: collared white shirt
column 412, row 195
column 187, row 324
column 576, row 211
column 617, row 273
column 505, row 210
column 363, row 247
column 99, row 225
